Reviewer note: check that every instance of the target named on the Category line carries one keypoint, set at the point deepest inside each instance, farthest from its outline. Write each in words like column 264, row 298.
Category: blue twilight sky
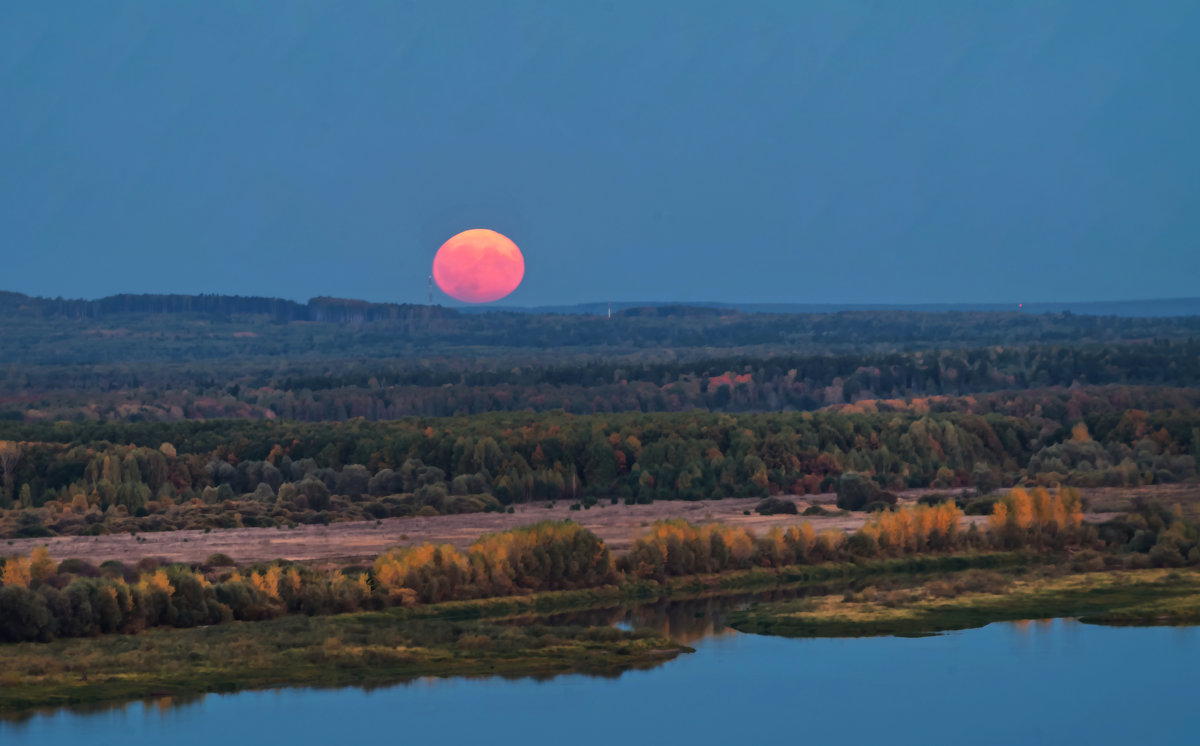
column 785, row 151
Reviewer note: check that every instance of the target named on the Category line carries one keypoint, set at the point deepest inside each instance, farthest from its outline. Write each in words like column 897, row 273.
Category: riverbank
column 483, row 637
column 974, row 598
column 347, row 650
column 510, row 636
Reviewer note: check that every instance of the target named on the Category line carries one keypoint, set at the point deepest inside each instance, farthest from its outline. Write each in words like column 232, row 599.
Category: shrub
column 219, row 560
column 984, row 479
column 112, row 569
column 935, row 498
column 855, row 491
column 776, row 505
column 980, row 505
column 81, row 567
column 23, row 615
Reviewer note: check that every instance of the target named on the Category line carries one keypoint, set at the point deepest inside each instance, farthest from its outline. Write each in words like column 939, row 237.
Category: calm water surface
column 1052, row 682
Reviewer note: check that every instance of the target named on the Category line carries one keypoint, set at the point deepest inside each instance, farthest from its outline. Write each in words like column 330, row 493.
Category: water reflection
column 1053, row 682
column 161, row 706
column 697, row 621
column 685, row 620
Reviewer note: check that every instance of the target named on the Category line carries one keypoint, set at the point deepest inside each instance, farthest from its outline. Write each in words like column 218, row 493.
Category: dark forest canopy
column 295, row 311
column 722, row 381
column 322, row 309
column 158, row 412
column 167, row 358
column 76, row 477
column 189, row 328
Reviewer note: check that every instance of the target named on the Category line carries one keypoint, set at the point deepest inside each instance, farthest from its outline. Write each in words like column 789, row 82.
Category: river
column 1049, row 682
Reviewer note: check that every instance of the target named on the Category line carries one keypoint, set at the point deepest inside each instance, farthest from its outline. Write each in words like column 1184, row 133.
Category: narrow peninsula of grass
column 490, row 636
column 352, row 649
column 975, row 598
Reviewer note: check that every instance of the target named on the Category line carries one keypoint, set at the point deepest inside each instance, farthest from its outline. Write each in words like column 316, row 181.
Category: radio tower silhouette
column 431, row 290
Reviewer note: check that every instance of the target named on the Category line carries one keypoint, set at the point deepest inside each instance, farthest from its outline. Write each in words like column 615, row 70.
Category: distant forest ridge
column 334, row 310
column 1157, row 307
column 343, row 310
column 186, row 328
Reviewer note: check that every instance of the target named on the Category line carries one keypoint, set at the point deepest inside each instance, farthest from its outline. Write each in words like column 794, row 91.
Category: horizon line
column 641, row 303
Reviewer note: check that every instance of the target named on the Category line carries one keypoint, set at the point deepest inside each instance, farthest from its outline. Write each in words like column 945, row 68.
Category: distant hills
column 330, row 310
column 342, row 310
column 1132, row 308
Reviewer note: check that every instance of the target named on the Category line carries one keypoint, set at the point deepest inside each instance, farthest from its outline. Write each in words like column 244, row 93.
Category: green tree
column 855, row 491
column 984, row 478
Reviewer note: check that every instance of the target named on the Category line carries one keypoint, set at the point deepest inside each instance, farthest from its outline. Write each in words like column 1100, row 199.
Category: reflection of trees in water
column 166, row 704
column 162, row 705
column 684, row 620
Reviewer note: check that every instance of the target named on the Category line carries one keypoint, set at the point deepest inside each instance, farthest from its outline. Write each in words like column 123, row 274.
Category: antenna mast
column 431, row 290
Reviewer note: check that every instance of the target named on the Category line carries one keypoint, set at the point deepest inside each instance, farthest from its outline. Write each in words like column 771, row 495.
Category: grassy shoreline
column 397, row 644
column 348, row 650
column 501, row 636
column 1141, row 597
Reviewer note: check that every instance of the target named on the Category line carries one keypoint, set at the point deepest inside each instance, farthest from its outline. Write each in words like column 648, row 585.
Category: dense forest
column 197, row 328
column 164, row 412
column 388, row 389
column 97, row 477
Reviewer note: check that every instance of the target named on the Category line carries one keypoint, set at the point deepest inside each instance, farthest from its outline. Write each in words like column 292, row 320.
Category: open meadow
column 617, row 524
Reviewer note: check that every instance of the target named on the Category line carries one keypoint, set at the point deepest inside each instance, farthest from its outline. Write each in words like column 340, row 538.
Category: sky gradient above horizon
column 819, row 152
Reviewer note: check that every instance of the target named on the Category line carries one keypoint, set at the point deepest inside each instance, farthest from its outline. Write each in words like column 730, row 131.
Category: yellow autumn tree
column 915, row 529
column 17, row 572
column 998, row 520
column 1037, row 516
column 268, row 582
column 156, row 581
column 430, row 572
column 1043, row 509
column 292, row 580
column 1020, row 504
column 829, row 543
column 41, row 565
column 1072, row 506
column 806, row 539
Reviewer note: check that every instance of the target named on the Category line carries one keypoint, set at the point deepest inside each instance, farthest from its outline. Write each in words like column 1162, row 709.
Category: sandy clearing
column 618, row 525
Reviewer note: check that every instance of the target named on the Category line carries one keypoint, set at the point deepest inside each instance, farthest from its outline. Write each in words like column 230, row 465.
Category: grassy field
column 974, row 598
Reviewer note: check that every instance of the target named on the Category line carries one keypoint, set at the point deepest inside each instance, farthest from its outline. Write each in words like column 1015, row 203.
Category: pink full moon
column 478, row 266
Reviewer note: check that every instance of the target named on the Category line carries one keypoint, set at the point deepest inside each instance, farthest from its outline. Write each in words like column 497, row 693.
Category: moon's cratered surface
column 478, row 266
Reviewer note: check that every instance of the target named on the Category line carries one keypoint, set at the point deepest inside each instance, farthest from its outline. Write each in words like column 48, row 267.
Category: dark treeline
column 193, row 328
column 95, row 477
column 379, row 390
column 293, row 311
column 328, row 310
column 884, row 374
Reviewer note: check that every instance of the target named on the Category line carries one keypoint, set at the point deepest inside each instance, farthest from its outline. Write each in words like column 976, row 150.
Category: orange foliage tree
column 1037, row 517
